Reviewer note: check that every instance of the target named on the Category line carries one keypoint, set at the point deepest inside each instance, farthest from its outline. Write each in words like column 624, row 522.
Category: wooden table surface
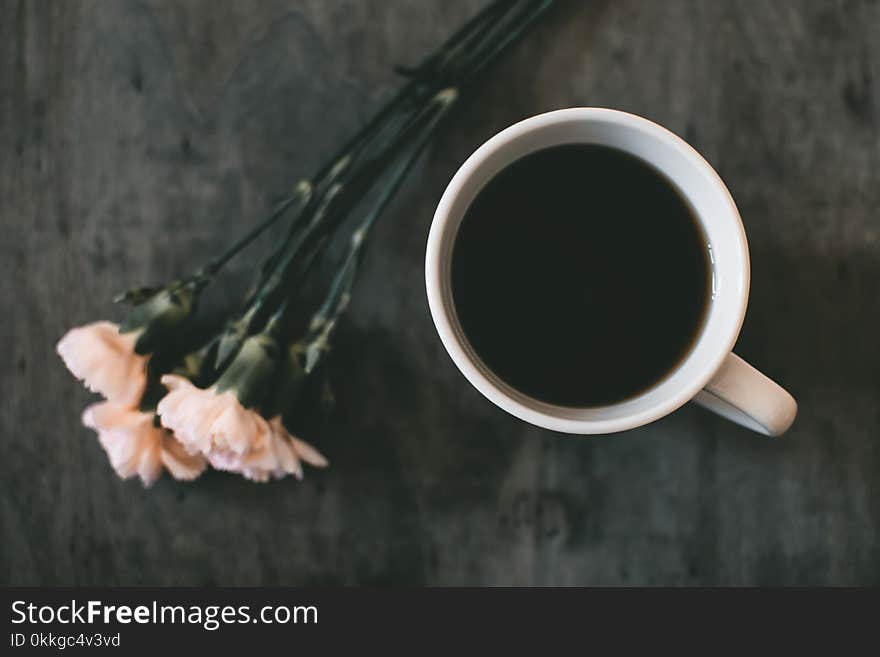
column 136, row 137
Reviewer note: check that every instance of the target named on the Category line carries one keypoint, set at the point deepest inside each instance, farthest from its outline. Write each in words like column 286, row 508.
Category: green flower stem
column 449, row 65
column 328, row 174
column 454, row 59
column 300, row 195
column 510, row 33
column 454, row 63
column 337, row 298
column 377, row 137
column 411, row 117
column 324, row 321
column 418, row 132
column 339, row 199
column 451, row 48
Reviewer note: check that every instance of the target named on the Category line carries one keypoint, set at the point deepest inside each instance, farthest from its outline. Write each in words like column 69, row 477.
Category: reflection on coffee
column 580, row 275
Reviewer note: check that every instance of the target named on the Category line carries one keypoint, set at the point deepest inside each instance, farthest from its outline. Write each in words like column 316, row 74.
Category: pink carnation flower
column 136, row 446
column 105, row 360
column 230, row 436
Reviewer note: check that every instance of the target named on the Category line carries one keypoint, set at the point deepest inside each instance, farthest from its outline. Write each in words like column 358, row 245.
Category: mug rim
column 529, row 409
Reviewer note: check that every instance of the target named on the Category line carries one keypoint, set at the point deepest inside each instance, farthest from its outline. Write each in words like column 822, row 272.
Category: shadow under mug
column 710, row 374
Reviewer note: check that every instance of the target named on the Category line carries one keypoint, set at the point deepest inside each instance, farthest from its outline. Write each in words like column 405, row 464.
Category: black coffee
column 580, row 275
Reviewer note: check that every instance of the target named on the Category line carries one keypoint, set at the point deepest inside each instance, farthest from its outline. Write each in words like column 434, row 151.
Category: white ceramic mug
column 710, row 374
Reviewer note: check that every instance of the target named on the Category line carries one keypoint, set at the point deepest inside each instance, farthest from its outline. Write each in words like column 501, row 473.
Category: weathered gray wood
column 135, row 136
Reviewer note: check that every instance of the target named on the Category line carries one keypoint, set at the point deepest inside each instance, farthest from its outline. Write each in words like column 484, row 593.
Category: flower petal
column 308, row 453
column 180, row 463
column 105, row 360
column 288, row 461
column 136, row 446
column 229, row 436
column 110, row 415
column 150, row 462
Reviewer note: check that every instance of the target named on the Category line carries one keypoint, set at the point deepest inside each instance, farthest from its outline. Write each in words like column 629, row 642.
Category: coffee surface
column 580, row 275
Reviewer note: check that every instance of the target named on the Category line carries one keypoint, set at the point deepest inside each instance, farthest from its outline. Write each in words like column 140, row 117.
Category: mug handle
column 742, row 394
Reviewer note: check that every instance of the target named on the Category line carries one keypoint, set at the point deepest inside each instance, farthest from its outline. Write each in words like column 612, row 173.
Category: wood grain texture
column 136, row 135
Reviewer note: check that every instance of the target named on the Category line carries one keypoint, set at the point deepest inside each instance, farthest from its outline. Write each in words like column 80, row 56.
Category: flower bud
column 161, row 314
column 251, row 372
column 232, row 338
